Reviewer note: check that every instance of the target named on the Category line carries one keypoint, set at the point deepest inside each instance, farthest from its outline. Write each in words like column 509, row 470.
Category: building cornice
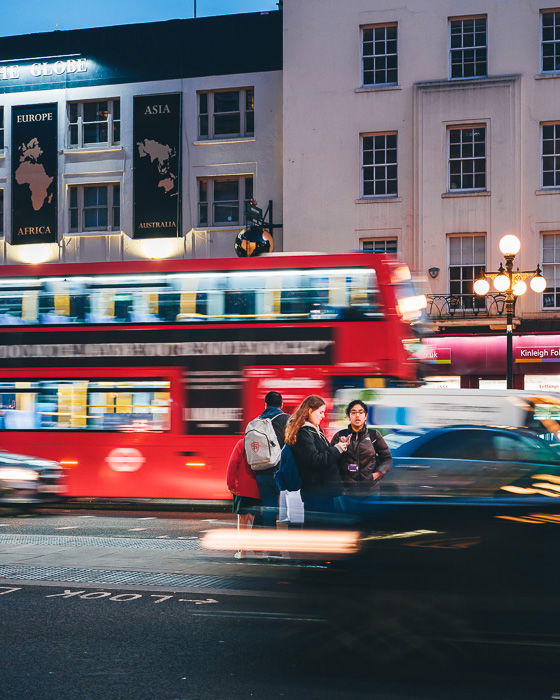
column 448, row 84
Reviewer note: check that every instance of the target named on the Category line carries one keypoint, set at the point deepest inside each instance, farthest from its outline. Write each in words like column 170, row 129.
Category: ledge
column 223, row 142
column 457, row 83
column 85, row 234
column 552, row 190
column 460, row 193
column 547, row 76
column 84, row 151
column 377, row 88
column 377, row 199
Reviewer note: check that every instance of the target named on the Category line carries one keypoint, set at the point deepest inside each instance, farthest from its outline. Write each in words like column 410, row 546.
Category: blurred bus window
column 111, row 405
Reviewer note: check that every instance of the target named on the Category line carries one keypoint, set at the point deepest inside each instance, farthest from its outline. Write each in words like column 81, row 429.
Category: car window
column 459, row 444
column 395, row 440
column 521, row 448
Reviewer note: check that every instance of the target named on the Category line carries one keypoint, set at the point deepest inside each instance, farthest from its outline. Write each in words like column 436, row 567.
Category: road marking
column 137, row 529
column 150, row 518
column 67, row 527
column 8, row 590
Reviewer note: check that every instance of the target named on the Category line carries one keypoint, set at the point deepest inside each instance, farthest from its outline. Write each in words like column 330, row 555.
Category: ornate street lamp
column 512, row 284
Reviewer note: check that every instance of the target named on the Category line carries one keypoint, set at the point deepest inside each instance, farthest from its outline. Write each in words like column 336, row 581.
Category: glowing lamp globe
column 510, row 244
column 538, row 284
column 253, row 241
column 519, row 288
column 481, row 286
column 501, row 283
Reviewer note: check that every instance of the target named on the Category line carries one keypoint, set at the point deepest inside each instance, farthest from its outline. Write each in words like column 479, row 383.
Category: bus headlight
column 411, row 307
column 18, row 474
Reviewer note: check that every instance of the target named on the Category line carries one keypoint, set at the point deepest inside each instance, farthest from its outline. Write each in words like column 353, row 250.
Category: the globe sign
column 253, row 241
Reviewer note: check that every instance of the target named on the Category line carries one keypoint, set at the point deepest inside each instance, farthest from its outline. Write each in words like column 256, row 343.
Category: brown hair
column 300, row 415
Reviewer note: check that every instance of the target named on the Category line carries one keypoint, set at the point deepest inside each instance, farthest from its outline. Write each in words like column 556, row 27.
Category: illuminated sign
column 43, row 69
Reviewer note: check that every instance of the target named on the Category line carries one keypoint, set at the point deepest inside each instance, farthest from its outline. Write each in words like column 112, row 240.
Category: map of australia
column 31, row 172
column 161, row 156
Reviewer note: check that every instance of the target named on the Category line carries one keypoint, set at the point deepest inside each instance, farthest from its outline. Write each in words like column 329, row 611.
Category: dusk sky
column 40, row 16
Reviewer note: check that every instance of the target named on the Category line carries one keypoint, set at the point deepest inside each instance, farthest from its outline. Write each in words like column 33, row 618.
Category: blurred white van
column 432, row 408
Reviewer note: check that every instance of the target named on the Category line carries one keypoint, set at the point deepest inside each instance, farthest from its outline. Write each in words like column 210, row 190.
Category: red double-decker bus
column 135, row 375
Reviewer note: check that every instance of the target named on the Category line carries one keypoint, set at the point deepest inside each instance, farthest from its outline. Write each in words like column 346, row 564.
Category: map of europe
column 31, row 172
column 161, row 155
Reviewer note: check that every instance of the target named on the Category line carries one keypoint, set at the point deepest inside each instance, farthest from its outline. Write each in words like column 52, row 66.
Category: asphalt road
column 224, row 629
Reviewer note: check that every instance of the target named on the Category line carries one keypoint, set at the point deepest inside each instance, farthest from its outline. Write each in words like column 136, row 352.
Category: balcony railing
column 458, row 306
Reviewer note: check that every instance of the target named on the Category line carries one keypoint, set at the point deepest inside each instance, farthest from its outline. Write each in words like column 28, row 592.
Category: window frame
column 80, row 123
column 554, row 11
column 2, row 130
column 385, row 240
column 555, row 154
column 546, row 265
column 210, row 202
column 477, row 302
column 2, row 214
column 374, row 56
column 385, row 164
column 461, row 159
column 80, row 207
column 462, row 49
column 245, row 93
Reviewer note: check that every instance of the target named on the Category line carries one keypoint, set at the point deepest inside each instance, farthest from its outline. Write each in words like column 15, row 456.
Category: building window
column 467, row 260
column 468, row 47
column 551, row 270
column 551, row 155
column 379, row 165
column 550, row 32
column 222, row 200
column 94, row 208
column 379, row 55
column 226, row 113
column 380, row 245
column 1, row 128
column 467, row 158
column 93, row 123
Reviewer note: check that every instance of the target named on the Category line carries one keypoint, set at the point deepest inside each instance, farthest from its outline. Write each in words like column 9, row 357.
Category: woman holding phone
column 318, row 461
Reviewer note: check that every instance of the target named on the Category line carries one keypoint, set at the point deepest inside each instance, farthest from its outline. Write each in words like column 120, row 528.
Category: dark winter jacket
column 369, row 451
column 318, row 464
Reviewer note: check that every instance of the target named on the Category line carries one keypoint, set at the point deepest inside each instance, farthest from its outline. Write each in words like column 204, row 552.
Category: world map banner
column 157, row 165
column 34, row 174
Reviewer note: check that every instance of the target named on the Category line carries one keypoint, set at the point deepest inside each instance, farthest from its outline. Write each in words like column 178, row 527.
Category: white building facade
column 408, row 158
column 429, row 129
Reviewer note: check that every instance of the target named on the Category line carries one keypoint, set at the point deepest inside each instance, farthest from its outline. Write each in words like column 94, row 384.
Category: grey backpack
column 261, row 444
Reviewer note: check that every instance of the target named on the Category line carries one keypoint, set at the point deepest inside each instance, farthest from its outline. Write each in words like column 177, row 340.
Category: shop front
column 480, row 361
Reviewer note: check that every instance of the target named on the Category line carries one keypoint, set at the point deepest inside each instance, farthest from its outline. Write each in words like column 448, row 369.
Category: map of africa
column 32, row 172
column 161, row 155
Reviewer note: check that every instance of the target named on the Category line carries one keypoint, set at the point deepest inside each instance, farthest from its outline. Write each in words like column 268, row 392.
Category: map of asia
column 157, row 162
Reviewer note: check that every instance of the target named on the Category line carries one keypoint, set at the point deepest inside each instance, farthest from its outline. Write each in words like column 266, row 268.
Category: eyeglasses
column 357, row 413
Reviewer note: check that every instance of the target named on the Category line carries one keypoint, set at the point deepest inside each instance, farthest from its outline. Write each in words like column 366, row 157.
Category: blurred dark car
column 26, row 480
column 469, row 460
column 458, row 558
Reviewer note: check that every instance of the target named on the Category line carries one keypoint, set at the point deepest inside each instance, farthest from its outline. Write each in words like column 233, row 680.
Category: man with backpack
column 264, row 439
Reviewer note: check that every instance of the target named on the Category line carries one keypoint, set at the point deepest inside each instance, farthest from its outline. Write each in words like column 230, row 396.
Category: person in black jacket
column 265, row 478
column 368, row 458
column 318, row 461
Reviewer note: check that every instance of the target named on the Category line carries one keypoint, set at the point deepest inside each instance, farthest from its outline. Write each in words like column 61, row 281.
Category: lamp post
column 511, row 283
